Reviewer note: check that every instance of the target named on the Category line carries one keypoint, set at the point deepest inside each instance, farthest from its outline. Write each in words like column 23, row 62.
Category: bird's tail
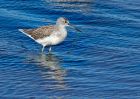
column 24, row 32
column 21, row 30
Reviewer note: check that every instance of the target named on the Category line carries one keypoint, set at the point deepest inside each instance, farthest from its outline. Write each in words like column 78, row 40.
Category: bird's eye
column 65, row 21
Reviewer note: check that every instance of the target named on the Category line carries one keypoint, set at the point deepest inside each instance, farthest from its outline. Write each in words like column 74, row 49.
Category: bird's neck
column 62, row 31
column 61, row 27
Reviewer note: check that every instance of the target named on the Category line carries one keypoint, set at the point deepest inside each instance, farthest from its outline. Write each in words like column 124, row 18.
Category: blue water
column 102, row 62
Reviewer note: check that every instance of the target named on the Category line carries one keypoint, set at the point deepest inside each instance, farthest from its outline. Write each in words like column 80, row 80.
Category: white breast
column 54, row 39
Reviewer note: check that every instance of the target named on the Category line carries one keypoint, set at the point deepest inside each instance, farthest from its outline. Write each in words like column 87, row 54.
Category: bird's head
column 62, row 21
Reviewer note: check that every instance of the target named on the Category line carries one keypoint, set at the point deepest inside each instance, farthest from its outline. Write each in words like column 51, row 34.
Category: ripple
column 101, row 62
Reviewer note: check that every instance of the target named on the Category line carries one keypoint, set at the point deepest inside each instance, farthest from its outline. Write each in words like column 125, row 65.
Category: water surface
column 103, row 62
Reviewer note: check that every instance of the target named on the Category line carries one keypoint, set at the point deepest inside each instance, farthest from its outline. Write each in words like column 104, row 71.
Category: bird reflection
column 51, row 69
column 71, row 5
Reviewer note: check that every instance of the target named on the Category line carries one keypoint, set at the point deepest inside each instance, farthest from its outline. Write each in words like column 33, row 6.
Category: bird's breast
column 54, row 39
column 59, row 37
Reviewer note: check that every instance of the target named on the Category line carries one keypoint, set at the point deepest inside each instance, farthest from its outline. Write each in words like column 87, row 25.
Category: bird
column 50, row 35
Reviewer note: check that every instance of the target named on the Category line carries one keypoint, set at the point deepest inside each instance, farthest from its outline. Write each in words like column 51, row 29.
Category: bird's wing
column 38, row 33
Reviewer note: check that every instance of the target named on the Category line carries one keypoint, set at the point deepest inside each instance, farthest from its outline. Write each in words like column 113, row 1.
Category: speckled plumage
column 40, row 32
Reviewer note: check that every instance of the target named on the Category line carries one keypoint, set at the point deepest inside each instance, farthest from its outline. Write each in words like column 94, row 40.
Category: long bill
column 75, row 28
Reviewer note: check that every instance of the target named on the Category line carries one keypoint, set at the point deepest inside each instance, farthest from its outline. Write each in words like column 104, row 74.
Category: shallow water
column 102, row 62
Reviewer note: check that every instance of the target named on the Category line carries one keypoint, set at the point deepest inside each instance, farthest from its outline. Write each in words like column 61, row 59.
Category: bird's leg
column 43, row 48
column 50, row 49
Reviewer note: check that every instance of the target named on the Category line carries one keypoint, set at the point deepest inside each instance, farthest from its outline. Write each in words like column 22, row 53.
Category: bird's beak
column 75, row 27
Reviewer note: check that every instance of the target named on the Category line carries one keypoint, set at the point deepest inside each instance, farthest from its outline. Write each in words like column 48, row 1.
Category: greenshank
column 50, row 35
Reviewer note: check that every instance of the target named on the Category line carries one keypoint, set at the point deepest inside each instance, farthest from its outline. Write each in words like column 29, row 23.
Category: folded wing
column 38, row 33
